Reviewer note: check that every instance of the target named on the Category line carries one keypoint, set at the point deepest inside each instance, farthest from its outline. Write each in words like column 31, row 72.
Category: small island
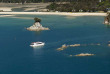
column 37, row 26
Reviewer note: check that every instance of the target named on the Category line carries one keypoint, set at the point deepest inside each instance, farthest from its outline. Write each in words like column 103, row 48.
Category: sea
column 17, row 57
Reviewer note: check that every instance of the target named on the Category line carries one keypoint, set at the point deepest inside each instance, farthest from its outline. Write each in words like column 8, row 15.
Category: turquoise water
column 17, row 57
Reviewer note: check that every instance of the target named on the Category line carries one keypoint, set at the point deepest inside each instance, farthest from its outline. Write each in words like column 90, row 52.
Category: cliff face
column 107, row 19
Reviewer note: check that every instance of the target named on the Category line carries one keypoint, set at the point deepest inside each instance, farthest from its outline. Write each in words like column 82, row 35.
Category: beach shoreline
column 55, row 13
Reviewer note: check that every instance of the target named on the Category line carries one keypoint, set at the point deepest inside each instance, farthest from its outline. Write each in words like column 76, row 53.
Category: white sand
column 57, row 13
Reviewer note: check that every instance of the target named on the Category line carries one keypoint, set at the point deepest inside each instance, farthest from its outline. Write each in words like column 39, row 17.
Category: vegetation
column 17, row 1
column 81, row 6
column 107, row 18
column 37, row 19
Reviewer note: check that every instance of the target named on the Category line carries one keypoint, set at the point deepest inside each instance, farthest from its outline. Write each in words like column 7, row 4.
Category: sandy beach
column 56, row 13
column 25, row 7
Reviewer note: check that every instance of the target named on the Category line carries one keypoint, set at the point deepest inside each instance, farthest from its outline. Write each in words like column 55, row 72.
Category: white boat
column 36, row 44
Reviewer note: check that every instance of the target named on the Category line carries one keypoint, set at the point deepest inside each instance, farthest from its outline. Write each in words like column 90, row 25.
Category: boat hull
column 38, row 45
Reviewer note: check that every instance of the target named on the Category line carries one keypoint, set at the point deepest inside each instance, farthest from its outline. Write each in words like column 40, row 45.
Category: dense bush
column 81, row 6
column 52, row 6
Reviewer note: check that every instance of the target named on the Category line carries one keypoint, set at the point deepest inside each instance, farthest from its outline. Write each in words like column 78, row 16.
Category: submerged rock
column 84, row 54
column 75, row 45
column 37, row 27
column 60, row 49
column 70, row 55
column 95, row 44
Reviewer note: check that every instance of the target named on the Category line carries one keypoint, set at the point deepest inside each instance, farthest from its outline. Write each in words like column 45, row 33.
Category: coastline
column 56, row 13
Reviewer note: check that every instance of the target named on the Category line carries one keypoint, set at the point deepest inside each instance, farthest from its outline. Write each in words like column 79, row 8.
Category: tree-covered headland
column 81, row 6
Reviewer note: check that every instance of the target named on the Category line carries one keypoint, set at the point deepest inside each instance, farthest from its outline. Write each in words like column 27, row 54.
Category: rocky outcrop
column 37, row 27
column 107, row 19
column 75, row 45
column 66, row 46
column 109, row 43
column 84, row 54
column 63, row 47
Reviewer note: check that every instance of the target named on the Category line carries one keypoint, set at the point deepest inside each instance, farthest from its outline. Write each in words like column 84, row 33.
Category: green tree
column 37, row 19
column 52, row 6
column 43, row 1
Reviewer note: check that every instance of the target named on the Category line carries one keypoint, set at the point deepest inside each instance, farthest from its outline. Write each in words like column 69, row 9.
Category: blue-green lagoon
column 17, row 57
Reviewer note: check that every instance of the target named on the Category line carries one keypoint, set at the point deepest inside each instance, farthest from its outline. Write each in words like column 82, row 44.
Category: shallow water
column 17, row 57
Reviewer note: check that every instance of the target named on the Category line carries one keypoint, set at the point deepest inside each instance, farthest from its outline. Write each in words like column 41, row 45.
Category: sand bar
column 57, row 13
